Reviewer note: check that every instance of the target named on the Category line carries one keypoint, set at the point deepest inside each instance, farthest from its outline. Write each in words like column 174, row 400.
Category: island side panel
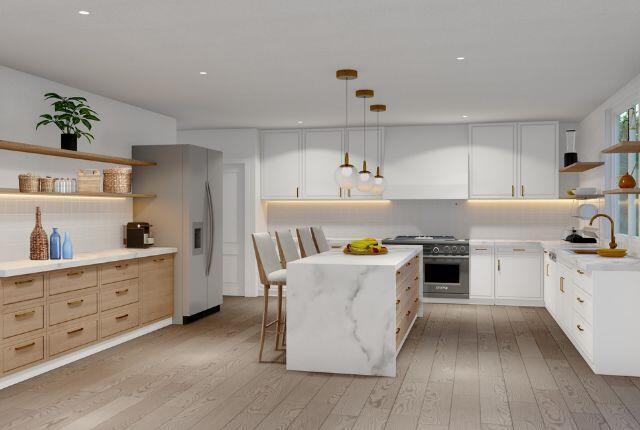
column 341, row 319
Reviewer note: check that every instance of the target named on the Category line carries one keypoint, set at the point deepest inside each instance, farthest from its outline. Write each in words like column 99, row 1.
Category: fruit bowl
column 366, row 246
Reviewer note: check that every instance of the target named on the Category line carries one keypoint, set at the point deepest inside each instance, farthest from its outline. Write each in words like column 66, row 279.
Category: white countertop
column 396, row 257
column 25, row 267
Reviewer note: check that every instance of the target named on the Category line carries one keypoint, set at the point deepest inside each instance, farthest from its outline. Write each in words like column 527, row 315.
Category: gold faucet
column 612, row 244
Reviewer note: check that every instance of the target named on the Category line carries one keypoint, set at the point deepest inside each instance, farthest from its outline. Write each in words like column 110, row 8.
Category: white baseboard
column 54, row 363
column 487, row 301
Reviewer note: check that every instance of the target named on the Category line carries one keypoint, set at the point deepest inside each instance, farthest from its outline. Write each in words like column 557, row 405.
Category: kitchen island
column 351, row 314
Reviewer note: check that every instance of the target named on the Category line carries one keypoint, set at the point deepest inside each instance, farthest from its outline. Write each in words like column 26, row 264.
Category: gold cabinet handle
column 580, row 272
column 519, row 250
column 499, row 265
column 416, row 300
column 547, row 269
column 408, row 288
column 522, row 189
column 580, row 327
column 409, row 263
column 122, row 292
column 297, row 192
column 397, row 330
column 78, row 330
column 479, row 249
column 397, row 301
column 546, row 252
column 398, row 272
column 21, row 347
column 72, row 274
column 562, row 284
column 119, row 317
column 25, row 282
column 513, row 190
column 25, row 314
column 408, row 313
column 158, row 260
column 75, row 302
column 579, row 300
column 416, row 278
column 121, row 266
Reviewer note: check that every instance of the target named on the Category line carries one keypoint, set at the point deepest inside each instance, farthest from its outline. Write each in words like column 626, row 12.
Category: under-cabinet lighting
column 336, row 201
column 54, row 196
column 84, row 12
column 519, row 201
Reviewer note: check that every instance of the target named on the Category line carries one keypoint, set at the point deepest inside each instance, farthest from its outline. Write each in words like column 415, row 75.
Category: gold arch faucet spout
column 612, row 244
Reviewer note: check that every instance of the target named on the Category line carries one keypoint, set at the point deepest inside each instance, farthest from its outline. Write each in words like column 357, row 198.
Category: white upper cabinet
column 280, row 166
column 426, row 162
column 538, row 160
column 513, row 161
column 357, row 154
column 492, row 161
column 322, row 154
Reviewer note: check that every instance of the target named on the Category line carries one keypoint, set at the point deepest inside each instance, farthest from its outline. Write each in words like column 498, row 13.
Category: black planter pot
column 69, row 141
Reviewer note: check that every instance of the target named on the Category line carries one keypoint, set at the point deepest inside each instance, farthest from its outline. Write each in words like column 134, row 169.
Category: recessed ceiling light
column 300, row 122
column 203, row 73
column 465, row 116
column 84, row 12
column 459, row 58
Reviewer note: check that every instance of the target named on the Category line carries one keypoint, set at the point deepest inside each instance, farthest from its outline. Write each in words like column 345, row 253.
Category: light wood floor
column 473, row 367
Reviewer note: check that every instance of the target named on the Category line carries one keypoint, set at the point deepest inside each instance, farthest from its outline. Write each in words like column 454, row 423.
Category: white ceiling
column 271, row 63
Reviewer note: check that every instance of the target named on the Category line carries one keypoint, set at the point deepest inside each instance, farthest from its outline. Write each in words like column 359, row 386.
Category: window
column 625, row 206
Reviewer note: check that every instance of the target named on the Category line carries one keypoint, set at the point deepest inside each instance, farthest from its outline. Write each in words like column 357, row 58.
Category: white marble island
column 351, row 314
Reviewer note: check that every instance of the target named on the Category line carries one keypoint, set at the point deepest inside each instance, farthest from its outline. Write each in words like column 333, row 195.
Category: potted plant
column 72, row 114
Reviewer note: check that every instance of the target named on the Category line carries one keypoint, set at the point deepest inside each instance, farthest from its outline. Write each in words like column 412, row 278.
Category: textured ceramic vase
column 55, row 245
column 39, row 243
column 67, row 247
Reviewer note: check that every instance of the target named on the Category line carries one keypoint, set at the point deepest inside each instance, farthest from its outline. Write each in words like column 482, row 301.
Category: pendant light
column 346, row 174
column 379, row 182
column 365, row 178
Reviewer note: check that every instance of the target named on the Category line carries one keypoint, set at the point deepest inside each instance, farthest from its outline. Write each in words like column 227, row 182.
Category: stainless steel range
column 446, row 264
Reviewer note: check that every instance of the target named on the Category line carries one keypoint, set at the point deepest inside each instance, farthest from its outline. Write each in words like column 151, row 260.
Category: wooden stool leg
column 264, row 321
column 284, row 323
column 279, row 319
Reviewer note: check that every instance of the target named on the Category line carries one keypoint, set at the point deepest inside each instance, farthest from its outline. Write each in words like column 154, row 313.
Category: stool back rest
column 286, row 247
column 266, row 256
column 305, row 242
column 320, row 239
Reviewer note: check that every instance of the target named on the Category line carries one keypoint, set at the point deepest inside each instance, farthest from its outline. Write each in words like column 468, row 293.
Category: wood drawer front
column 72, row 336
column 583, row 334
column 74, row 279
column 22, row 353
column 74, row 307
column 158, row 263
column 408, row 266
column 408, row 281
column 583, row 304
column 157, row 288
column 119, row 271
column 119, row 319
column 119, row 294
column 583, row 281
column 21, row 288
column 23, row 321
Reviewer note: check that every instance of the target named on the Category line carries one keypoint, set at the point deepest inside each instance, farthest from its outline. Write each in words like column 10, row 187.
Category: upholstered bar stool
column 322, row 245
column 271, row 273
column 286, row 247
column 305, row 242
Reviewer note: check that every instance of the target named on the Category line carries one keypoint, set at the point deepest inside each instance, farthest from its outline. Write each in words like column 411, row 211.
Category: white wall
column 94, row 224
column 238, row 146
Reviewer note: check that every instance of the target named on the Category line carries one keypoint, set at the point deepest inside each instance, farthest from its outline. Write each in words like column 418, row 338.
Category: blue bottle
column 55, row 245
column 67, row 247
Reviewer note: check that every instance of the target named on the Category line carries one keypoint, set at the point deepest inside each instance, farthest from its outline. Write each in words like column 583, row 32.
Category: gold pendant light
column 379, row 182
column 346, row 174
column 365, row 178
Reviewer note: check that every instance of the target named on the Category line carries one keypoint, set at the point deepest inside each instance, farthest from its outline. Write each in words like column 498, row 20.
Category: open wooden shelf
column 586, row 197
column 623, row 191
column 103, row 195
column 581, row 166
column 623, row 148
column 54, row 152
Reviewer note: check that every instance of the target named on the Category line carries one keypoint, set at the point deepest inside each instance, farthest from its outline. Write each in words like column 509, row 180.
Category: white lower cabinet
column 481, row 263
column 550, row 284
column 518, row 274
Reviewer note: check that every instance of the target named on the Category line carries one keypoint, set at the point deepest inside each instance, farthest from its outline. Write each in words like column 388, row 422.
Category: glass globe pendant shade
column 365, row 179
column 379, row 183
column 346, row 175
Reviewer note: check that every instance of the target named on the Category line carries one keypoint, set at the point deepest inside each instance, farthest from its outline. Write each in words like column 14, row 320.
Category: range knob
column 454, row 249
column 462, row 249
column 447, row 249
column 435, row 250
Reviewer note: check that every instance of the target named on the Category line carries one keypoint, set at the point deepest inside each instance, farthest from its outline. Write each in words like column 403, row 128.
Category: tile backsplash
column 94, row 224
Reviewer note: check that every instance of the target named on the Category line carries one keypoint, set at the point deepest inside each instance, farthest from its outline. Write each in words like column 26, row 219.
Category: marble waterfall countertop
column 25, row 267
column 341, row 312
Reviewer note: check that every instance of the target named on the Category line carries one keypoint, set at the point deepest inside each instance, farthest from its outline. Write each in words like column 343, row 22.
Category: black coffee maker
column 137, row 235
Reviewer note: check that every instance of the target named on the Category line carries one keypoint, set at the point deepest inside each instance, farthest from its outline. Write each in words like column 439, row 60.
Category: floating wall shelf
column 623, row 191
column 623, row 148
column 54, row 152
column 585, row 197
column 581, row 166
column 14, row 191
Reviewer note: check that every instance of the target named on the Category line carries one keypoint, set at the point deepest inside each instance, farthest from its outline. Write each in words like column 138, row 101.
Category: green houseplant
column 72, row 116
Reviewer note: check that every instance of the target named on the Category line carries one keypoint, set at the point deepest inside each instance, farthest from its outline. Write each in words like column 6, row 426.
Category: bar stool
column 305, row 242
column 322, row 245
column 286, row 247
column 271, row 273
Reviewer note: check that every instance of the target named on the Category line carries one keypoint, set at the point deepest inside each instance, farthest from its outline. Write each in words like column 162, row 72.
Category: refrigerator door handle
column 210, row 228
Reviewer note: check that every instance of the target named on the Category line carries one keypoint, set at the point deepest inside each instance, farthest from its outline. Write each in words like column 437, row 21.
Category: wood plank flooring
column 462, row 367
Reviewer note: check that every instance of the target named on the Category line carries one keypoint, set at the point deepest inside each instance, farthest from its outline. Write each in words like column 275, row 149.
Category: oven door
column 446, row 276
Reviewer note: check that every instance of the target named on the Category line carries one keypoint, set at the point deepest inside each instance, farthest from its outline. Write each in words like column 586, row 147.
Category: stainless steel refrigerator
column 187, row 214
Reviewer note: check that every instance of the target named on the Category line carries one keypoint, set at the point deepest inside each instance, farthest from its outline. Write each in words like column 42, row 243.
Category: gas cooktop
column 422, row 239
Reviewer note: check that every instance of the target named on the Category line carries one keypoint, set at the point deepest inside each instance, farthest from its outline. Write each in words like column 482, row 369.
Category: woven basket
column 45, row 185
column 28, row 183
column 88, row 181
column 117, row 181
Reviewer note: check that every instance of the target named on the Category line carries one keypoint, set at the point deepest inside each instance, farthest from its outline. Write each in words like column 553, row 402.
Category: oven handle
column 452, row 257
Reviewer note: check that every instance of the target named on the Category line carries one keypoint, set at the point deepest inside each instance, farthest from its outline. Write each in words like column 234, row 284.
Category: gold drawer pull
column 119, row 317
column 25, row 314
column 580, row 272
column 519, row 249
column 78, row 330
column 546, row 252
column 21, row 347
column 408, row 288
column 397, row 301
column 409, row 264
column 398, row 272
column 580, row 300
column 71, row 274
column 579, row 327
column 480, row 249
column 397, row 330
column 158, row 260
column 122, row 292
column 416, row 300
column 26, row 282
column 75, row 302
column 121, row 266
column 408, row 313
column 417, row 277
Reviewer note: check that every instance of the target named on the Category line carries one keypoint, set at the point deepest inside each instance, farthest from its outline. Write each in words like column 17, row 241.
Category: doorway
column 233, row 222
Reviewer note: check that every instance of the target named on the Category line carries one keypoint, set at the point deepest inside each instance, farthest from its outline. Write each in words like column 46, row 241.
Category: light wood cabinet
column 157, row 288
column 280, row 164
column 21, row 288
column 72, row 279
